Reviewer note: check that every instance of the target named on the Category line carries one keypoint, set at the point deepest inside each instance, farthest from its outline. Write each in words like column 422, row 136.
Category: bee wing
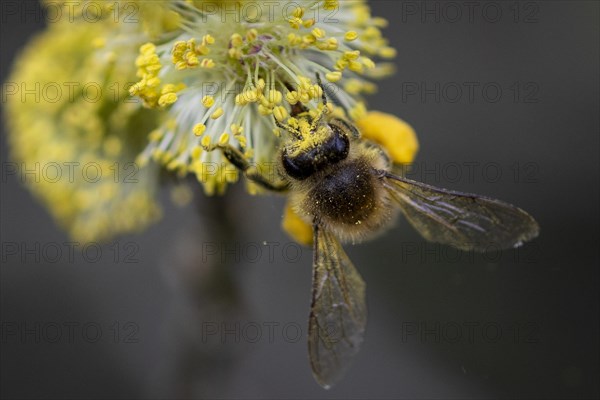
column 465, row 221
column 338, row 313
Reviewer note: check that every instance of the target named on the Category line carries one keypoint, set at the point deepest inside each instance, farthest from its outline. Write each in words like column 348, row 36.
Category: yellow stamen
column 208, row 101
column 167, row 99
column 217, row 113
column 350, row 36
column 333, row 76
column 387, row 52
column 199, row 129
column 318, row 33
column 224, row 139
column 205, row 142
column 280, row 113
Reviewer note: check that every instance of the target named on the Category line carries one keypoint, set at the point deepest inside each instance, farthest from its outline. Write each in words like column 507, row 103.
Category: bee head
column 313, row 152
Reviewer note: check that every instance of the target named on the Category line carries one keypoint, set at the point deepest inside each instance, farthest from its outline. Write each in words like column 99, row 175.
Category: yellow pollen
column 350, row 36
column 331, row 5
column 292, row 97
column 260, row 85
column 295, row 22
column 236, row 129
column 99, row 42
column 236, row 40
column 294, row 39
column 315, row 91
column 235, row 53
column 355, row 66
column 167, row 99
column 394, row 134
column 387, row 52
column 341, row 64
column 208, row 39
column 207, row 63
column 332, row 43
column 308, row 23
column 304, row 97
column 250, row 96
column 318, row 33
column 168, row 88
column 223, row 139
column 351, row 55
column 196, row 151
column 147, row 49
column 240, row 100
column 251, row 35
column 208, row 101
column 380, row 22
column 308, row 39
column 280, row 113
column 155, row 135
column 205, row 142
column 297, row 228
column 264, row 110
column 275, row 96
column 199, row 129
column 333, row 76
column 298, row 12
column 217, row 113
column 367, row 62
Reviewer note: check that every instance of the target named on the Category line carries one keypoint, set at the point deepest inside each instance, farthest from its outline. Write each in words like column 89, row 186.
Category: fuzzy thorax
column 347, row 198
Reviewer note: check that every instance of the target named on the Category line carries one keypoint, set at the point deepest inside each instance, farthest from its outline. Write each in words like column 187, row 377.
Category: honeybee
column 344, row 186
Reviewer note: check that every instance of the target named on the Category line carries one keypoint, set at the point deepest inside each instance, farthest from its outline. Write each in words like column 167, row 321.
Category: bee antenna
column 323, row 97
column 325, row 110
column 288, row 128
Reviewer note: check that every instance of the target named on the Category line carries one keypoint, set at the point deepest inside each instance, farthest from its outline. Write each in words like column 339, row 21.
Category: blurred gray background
column 442, row 324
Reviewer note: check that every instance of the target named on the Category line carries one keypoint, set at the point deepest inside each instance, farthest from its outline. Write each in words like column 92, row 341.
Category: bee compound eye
column 337, row 148
column 299, row 167
column 304, row 164
column 350, row 129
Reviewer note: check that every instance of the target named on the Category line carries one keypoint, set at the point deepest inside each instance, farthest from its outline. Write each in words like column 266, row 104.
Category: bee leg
column 288, row 128
column 323, row 111
column 255, row 176
column 251, row 172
